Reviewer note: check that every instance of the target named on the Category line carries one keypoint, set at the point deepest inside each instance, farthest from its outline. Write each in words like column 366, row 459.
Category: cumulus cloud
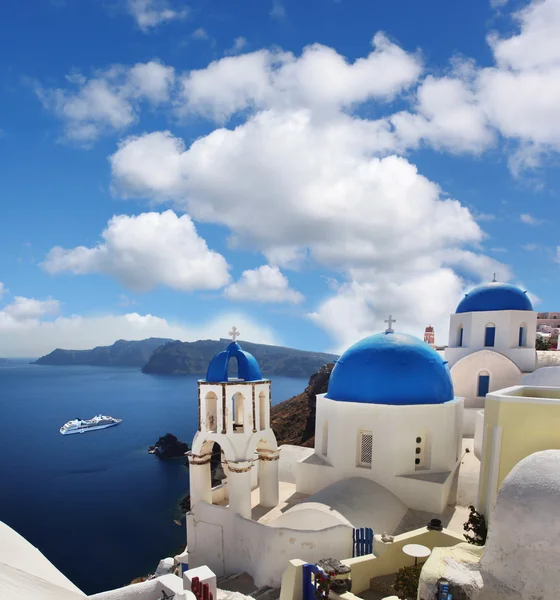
column 35, row 337
column 320, row 78
column 151, row 13
column 529, row 219
column 24, row 309
column 145, row 251
column 264, row 284
column 109, row 100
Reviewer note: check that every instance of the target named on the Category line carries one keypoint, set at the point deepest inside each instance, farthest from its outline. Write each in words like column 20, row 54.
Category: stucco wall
column 148, row 590
column 507, row 323
column 526, row 426
column 395, row 430
column 229, row 543
column 289, row 457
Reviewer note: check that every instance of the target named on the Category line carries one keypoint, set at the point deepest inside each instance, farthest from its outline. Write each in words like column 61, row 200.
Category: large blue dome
column 391, row 368
column 247, row 366
column 494, row 296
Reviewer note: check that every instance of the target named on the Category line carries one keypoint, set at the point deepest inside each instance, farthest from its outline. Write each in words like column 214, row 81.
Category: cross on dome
column 390, row 322
column 494, row 280
column 234, row 333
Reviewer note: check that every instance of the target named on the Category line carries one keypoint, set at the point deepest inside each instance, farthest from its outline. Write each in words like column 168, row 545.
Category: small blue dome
column 391, row 368
column 494, row 296
column 247, row 366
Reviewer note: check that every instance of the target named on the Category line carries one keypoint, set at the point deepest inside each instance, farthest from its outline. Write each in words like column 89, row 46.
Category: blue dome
column 391, row 368
column 494, row 296
column 247, row 366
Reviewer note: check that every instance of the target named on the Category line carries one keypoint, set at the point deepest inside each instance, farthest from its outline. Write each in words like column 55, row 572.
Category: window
column 262, row 411
column 522, row 336
column 421, row 458
column 460, row 336
column 365, row 449
column 483, row 385
column 490, row 335
column 238, row 413
column 211, row 405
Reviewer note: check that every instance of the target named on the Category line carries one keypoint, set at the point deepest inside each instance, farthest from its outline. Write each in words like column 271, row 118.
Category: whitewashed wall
column 229, row 543
column 507, row 323
column 394, row 429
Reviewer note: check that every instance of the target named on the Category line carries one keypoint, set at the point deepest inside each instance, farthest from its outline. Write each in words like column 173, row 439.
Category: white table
column 417, row 551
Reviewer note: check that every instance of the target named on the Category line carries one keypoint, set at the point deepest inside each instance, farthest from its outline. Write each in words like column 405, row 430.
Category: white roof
column 26, row 574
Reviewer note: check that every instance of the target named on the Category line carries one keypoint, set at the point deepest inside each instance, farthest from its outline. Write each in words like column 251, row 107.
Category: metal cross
column 390, row 321
column 494, row 280
column 234, row 333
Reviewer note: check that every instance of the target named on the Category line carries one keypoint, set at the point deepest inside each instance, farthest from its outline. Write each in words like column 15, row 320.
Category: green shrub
column 406, row 582
column 476, row 528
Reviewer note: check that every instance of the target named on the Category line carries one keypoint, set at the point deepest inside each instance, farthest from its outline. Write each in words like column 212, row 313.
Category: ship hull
column 88, row 429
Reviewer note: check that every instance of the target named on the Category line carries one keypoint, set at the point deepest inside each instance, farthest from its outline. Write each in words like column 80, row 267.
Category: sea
column 97, row 505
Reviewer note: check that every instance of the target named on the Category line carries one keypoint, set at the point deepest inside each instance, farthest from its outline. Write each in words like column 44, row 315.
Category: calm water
column 97, row 505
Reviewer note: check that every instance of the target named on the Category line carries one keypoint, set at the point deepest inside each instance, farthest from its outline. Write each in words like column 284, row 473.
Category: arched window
column 211, row 407
column 460, row 336
column 522, row 335
column 262, row 410
column 490, row 335
column 483, row 384
column 238, row 412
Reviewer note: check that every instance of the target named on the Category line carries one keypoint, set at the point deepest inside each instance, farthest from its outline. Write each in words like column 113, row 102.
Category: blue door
column 483, row 385
column 490, row 336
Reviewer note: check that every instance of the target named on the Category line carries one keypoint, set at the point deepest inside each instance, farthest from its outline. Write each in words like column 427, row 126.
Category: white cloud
column 200, row 34
column 108, row 101
column 24, row 309
column 145, row 251
column 320, row 78
column 278, row 11
column 150, row 13
column 35, row 337
column 264, row 284
column 531, row 247
column 529, row 219
column 238, row 44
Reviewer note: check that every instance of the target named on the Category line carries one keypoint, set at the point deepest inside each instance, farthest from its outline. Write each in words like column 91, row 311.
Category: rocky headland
column 293, row 421
column 184, row 358
column 122, row 353
column 168, row 446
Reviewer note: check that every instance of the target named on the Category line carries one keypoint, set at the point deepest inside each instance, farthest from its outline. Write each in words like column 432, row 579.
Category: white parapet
column 205, row 576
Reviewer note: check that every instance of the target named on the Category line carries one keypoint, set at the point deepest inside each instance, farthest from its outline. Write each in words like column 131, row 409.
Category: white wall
column 479, row 434
column 229, row 543
column 289, row 457
column 503, row 373
column 507, row 323
column 394, row 429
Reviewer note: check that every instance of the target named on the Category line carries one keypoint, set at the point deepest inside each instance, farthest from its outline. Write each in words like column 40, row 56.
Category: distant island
column 170, row 357
column 122, row 353
column 186, row 358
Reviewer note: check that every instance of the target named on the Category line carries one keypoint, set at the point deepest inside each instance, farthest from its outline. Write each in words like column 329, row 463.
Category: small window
column 325, row 440
column 483, row 385
column 365, row 450
column 460, row 337
column 521, row 336
column 420, row 454
column 490, row 336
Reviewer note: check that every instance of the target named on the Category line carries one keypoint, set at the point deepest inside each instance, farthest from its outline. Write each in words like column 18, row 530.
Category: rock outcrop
column 168, row 446
column 293, row 421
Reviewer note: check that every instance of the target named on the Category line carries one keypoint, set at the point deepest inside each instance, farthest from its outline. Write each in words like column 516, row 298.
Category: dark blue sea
column 97, row 505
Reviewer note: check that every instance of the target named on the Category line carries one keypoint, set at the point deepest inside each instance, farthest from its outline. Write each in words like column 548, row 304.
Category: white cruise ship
column 81, row 426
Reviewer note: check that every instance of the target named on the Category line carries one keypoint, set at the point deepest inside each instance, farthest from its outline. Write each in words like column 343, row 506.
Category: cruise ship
column 81, row 426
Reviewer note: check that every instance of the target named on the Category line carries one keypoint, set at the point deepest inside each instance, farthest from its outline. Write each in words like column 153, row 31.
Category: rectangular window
column 521, row 334
column 365, row 449
column 490, row 336
column 483, row 385
column 460, row 337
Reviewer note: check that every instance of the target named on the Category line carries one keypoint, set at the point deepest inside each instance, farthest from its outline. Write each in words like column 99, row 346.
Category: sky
column 300, row 169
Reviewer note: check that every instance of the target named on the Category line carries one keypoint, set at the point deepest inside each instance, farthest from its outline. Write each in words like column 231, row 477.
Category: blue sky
column 299, row 169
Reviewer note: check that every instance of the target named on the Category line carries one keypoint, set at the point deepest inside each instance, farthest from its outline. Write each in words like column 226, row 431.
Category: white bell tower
column 234, row 412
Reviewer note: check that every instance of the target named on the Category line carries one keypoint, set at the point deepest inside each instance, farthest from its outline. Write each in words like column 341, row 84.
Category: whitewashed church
column 492, row 338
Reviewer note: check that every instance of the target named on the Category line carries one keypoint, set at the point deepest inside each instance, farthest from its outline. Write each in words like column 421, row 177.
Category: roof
column 247, row 366
column 494, row 296
column 391, row 368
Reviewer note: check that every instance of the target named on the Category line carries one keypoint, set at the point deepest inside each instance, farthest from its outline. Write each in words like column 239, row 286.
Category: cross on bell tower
column 234, row 333
column 390, row 322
